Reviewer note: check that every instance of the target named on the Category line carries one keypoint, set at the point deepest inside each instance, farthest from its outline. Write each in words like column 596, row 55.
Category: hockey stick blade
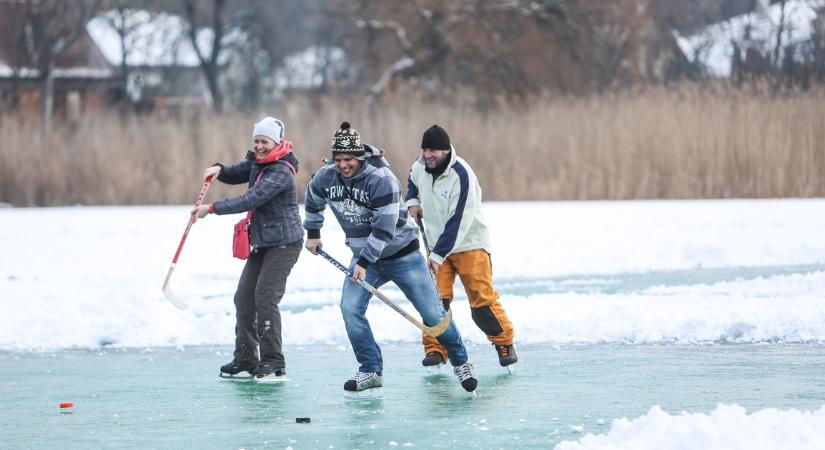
column 434, row 331
column 439, row 329
column 167, row 291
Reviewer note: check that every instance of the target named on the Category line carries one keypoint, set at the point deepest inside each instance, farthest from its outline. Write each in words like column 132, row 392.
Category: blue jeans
column 410, row 274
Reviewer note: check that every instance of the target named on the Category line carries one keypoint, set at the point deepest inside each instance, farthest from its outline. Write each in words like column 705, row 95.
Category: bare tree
column 49, row 29
column 780, row 29
column 818, row 44
column 126, row 21
column 14, row 21
column 404, row 63
column 209, row 63
column 466, row 42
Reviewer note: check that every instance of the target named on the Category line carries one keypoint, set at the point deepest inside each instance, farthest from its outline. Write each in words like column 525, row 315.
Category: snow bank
column 87, row 277
column 728, row 427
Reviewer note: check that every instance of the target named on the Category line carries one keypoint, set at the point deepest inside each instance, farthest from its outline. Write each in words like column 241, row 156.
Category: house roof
column 81, row 59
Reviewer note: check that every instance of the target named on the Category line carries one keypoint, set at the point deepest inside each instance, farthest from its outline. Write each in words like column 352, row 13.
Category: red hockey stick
column 166, row 290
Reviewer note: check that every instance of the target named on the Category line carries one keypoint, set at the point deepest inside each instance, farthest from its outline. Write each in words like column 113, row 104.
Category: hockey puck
column 302, row 420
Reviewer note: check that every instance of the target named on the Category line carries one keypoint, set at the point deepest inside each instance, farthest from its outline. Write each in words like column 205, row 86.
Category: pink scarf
column 276, row 153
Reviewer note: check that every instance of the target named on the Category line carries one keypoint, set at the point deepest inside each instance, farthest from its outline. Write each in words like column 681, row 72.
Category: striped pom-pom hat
column 347, row 140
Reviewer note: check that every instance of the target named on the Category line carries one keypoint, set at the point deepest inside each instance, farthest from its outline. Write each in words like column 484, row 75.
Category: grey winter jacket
column 273, row 200
column 368, row 206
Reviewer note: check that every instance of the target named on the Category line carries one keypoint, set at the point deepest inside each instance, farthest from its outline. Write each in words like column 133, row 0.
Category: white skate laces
column 467, row 376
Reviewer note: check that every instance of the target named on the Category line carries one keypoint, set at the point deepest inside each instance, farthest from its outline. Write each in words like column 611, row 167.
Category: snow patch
column 728, row 427
column 90, row 277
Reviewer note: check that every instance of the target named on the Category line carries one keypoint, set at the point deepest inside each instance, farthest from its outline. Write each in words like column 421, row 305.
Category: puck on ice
column 302, row 420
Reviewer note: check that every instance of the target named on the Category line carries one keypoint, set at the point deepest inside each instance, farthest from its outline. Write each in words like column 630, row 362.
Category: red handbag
column 240, row 240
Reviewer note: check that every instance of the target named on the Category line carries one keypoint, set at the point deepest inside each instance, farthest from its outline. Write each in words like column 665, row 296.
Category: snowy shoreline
column 82, row 277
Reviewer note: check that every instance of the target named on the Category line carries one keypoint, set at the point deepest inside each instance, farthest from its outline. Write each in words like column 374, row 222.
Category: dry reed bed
column 691, row 142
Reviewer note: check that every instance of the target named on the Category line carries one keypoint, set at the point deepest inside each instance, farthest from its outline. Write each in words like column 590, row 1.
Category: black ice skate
column 506, row 354
column 467, row 376
column 235, row 369
column 267, row 373
column 432, row 359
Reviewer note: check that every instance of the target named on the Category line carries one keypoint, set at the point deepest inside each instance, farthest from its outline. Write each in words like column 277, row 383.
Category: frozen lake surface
column 167, row 398
column 658, row 324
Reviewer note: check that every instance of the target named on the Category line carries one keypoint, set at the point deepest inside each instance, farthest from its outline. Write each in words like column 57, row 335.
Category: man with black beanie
column 443, row 191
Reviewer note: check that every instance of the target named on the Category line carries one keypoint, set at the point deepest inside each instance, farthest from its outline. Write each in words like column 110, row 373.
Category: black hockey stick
column 426, row 247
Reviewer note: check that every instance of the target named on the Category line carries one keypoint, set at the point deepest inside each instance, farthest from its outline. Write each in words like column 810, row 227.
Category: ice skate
column 236, row 370
column 467, row 376
column 506, row 356
column 267, row 373
column 433, row 363
column 364, row 386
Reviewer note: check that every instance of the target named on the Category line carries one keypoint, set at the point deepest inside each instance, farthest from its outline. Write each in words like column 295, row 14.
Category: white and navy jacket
column 451, row 205
column 369, row 208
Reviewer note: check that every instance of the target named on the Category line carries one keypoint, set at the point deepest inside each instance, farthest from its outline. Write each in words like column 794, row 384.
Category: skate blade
column 375, row 393
column 435, row 370
column 510, row 369
column 271, row 378
column 236, row 377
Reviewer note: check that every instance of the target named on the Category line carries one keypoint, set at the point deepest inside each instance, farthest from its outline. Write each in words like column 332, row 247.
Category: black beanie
column 436, row 138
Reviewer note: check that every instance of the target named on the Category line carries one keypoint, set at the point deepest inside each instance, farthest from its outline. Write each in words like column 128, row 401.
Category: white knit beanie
column 269, row 127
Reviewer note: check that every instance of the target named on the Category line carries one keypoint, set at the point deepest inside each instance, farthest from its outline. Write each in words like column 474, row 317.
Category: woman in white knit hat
column 275, row 237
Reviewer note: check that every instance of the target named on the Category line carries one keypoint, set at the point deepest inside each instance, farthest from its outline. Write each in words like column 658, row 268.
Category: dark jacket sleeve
column 314, row 204
column 276, row 179
column 236, row 173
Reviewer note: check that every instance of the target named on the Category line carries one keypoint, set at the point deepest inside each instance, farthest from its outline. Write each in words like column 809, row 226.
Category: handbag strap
column 292, row 169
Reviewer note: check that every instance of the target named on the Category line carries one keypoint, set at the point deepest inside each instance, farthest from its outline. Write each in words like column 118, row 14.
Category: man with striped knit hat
column 365, row 198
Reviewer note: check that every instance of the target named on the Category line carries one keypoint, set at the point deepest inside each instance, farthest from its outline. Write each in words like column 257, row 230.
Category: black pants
column 260, row 289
